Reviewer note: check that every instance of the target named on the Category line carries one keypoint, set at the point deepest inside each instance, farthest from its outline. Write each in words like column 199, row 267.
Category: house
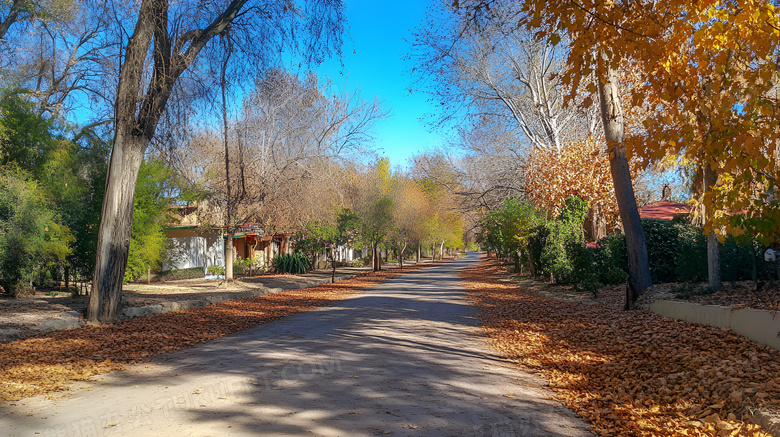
column 194, row 245
column 250, row 242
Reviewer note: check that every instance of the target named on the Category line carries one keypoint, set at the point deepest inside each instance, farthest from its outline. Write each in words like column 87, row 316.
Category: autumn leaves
column 630, row 373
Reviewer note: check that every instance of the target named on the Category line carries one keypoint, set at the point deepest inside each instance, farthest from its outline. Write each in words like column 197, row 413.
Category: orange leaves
column 580, row 169
column 630, row 373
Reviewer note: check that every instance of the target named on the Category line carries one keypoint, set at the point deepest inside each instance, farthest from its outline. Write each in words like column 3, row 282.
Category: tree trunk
column 441, row 250
column 419, row 250
column 612, row 118
column 229, row 255
column 531, row 267
column 710, row 178
column 401, row 255
column 333, row 267
column 116, row 225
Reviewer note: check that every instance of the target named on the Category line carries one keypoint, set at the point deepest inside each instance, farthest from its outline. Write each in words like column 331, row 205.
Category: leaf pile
column 630, row 372
column 52, row 362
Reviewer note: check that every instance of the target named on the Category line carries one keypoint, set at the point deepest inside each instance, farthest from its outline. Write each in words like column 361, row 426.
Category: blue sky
column 379, row 34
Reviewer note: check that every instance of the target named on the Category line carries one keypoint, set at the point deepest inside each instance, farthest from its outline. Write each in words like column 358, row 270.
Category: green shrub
column 292, row 263
column 584, row 268
column 691, row 257
column 739, row 259
column 663, row 247
column 612, row 259
column 241, row 265
column 215, row 270
column 551, row 245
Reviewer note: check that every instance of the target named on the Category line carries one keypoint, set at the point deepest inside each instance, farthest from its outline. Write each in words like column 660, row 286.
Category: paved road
column 406, row 359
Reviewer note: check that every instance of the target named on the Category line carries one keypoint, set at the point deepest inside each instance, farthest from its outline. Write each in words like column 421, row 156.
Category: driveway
column 407, row 359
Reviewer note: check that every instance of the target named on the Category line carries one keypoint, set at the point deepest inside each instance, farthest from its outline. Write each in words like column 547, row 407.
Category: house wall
column 189, row 248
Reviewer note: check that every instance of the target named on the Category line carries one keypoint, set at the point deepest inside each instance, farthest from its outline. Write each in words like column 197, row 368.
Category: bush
column 594, row 267
column 360, row 262
column 739, row 261
column 241, row 265
column 292, row 263
column 691, row 256
column 612, row 259
column 584, row 269
column 552, row 246
column 215, row 270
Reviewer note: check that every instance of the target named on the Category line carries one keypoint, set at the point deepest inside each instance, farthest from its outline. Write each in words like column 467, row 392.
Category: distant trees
column 286, row 155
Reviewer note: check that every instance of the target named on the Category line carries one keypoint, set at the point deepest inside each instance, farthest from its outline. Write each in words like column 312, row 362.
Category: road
column 406, row 359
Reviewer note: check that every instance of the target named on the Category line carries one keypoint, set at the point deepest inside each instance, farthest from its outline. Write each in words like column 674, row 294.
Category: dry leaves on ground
column 630, row 372
column 53, row 361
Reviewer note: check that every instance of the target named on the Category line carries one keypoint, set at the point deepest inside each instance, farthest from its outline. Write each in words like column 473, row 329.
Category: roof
column 664, row 210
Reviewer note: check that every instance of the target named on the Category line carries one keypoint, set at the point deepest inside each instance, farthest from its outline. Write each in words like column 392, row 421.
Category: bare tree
column 283, row 164
column 493, row 68
column 31, row 11
column 168, row 38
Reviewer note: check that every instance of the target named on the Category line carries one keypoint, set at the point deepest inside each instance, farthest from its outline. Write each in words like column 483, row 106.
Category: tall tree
column 171, row 37
column 19, row 11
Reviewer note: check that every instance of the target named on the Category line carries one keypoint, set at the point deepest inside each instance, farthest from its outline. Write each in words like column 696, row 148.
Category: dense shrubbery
column 677, row 251
column 557, row 245
column 292, row 263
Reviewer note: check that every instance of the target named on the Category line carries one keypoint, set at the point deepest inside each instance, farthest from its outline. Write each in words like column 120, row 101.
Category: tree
column 64, row 59
column 32, row 237
column 26, row 138
column 591, row 58
column 411, row 207
column 507, row 229
column 172, row 44
column 580, row 169
column 151, row 217
column 375, row 225
column 315, row 238
column 31, row 10
column 492, row 68
column 708, row 68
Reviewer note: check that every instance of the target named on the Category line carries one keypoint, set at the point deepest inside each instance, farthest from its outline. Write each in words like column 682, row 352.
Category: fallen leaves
column 630, row 372
column 54, row 361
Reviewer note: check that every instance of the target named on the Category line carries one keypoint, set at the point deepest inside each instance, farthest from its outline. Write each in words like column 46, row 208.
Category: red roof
column 664, row 210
